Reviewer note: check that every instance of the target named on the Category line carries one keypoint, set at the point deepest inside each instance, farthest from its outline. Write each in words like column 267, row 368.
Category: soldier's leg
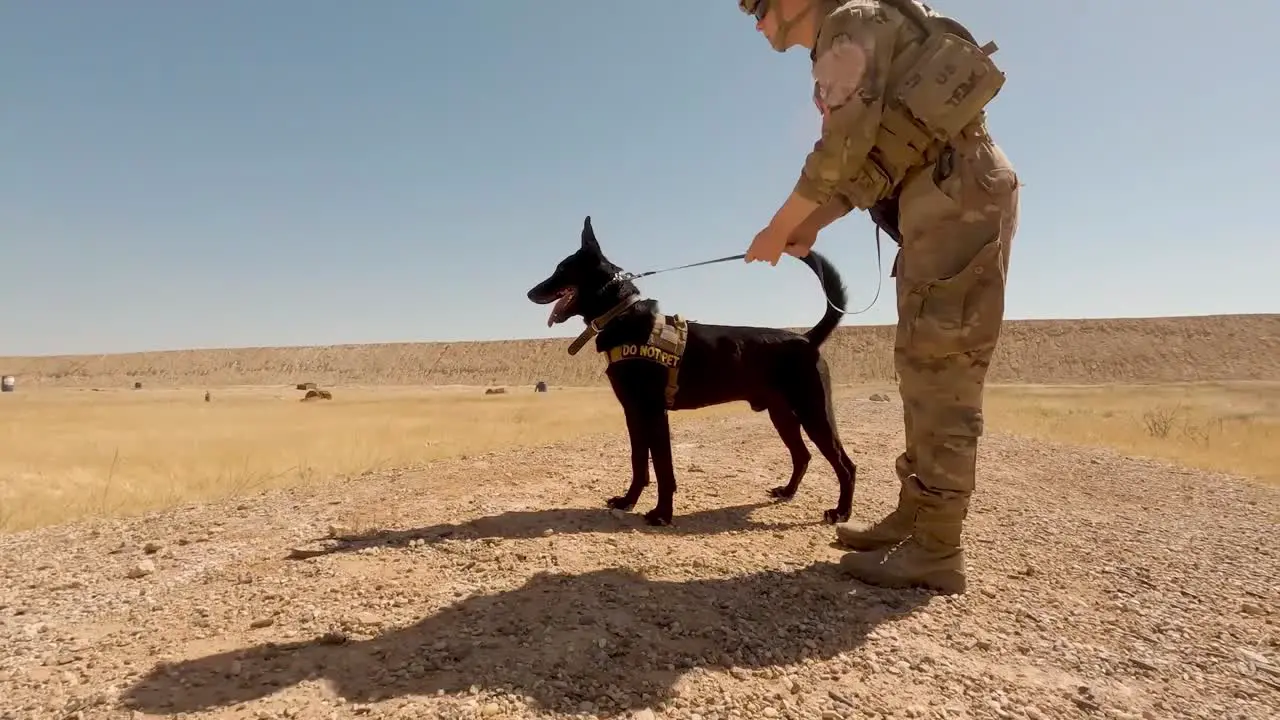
column 896, row 526
column 958, row 222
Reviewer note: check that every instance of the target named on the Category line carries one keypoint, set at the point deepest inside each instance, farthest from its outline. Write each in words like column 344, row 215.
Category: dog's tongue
column 558, row 308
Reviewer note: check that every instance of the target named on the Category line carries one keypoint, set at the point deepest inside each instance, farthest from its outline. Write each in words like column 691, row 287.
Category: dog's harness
column 595, row 326
column 665, row 347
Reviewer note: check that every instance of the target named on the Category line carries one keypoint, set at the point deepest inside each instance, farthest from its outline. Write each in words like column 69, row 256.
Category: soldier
column 902, row 90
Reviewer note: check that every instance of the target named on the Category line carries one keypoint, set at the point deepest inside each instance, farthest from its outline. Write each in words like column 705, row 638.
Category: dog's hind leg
column 813, row 406
column 788, row 427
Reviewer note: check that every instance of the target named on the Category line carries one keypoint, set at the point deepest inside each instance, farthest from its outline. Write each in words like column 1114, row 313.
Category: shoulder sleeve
column 852, row 57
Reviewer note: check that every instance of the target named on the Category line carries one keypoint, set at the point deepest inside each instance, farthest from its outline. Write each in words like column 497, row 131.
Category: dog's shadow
column 527, row 524
column 611, row 638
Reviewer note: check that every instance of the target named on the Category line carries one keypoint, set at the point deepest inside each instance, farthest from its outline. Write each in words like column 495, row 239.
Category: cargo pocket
column 924, row 202
column 958, row 314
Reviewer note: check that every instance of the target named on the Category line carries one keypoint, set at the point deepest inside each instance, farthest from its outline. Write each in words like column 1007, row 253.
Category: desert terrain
column 417, row 548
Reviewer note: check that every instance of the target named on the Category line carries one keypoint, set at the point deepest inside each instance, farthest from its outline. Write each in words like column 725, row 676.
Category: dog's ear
column 589, row 236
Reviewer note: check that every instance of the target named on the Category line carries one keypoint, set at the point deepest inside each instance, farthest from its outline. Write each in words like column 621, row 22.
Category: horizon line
column 546, row 338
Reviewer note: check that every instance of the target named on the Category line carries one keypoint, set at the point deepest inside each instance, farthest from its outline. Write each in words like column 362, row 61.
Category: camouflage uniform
column 958, row 212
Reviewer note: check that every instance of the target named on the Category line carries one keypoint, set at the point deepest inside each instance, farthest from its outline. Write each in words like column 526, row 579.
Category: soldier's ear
column 589, row 236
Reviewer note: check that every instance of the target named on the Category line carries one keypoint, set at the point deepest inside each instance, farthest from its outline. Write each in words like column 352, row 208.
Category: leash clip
column 620, row 277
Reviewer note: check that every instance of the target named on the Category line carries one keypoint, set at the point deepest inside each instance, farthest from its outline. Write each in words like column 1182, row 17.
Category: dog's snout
column 539, row 294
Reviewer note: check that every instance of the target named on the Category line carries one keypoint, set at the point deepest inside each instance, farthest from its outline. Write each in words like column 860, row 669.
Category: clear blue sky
column 232, row 173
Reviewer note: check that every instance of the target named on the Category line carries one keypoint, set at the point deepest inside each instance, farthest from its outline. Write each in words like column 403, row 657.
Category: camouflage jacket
column 852, row 55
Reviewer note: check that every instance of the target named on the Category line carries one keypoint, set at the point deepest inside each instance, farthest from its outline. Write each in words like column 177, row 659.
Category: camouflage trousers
column 957, row 219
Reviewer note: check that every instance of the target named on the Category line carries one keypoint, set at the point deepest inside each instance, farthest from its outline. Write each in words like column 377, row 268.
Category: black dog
column 771, row 369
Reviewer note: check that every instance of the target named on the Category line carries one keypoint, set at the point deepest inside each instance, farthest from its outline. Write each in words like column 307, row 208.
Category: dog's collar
column 595, row 326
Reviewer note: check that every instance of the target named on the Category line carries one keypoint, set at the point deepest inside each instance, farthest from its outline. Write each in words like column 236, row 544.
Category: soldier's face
column 778, row 21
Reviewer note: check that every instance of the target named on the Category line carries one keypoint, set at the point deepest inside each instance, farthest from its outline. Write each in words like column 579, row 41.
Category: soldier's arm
column 851, row 73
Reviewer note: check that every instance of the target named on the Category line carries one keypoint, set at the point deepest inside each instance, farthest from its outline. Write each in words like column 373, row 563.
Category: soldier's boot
column 931, row 558
column 889, row 530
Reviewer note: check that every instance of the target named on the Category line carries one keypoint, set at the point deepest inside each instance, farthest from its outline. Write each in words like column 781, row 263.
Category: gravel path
column 499, row 587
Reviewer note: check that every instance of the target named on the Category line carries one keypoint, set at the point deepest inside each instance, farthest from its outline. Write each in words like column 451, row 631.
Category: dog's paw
column 782, row 492
column 834, row 516
column 621, row 502
column 657, row 518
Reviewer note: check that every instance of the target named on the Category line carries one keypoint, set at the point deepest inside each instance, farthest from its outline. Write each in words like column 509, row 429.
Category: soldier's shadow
column 611, row 637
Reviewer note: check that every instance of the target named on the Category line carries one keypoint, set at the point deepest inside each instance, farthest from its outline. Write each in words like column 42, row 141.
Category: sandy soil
column 498, row 586
column 1221, row 347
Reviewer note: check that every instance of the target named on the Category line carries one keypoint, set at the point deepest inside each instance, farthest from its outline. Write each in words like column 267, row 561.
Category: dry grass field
column 415, row 547
column 76, row 453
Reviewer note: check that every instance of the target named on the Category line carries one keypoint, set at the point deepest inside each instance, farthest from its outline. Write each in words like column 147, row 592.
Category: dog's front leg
column 639, row 462
column 663, row 467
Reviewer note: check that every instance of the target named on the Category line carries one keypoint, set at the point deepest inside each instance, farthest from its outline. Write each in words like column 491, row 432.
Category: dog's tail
column 833, row 288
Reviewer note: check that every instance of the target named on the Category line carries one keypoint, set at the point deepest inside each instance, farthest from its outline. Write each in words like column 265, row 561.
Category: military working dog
column 659, row 363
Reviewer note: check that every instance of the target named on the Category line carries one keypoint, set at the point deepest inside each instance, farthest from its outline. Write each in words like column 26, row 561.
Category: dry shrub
column 1159, row 422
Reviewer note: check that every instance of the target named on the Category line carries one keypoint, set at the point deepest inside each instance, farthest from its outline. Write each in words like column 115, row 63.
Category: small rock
column 645, row 714
column 491, row 709
column 141, row 570
column 152, row 548
column 334, row 637
column 1253, row 609
column 1252, row 656
column 262, row 622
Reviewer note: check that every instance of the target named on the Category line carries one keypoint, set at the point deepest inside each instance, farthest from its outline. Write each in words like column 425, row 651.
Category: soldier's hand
column 767, row 245
column 801, row 241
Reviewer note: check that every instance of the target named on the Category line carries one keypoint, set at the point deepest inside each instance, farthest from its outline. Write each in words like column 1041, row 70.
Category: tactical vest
column 665, row 347
column 937, row 85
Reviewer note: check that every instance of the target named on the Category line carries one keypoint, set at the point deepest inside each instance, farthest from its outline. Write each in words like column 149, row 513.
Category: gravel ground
column 498, row 586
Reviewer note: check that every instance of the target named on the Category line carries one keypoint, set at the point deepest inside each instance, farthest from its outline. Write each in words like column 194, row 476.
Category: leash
column 628, row 276
column 879, row 282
